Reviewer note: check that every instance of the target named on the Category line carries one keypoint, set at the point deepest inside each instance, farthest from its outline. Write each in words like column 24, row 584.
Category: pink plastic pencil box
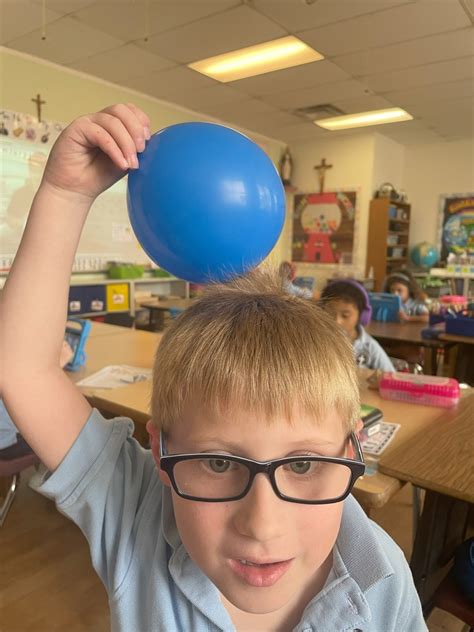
column 420, row 389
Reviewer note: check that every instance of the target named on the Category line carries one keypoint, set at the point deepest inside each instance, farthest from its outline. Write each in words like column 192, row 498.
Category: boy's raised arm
column 90, row 155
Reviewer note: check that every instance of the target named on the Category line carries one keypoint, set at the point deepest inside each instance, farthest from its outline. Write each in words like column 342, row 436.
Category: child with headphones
column 349, row 302
column 414, row 309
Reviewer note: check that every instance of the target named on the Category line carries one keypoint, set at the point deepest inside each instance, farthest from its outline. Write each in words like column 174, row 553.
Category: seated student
column 239, row 518
column 403, row 283
column 287, row 271
column 348, row 301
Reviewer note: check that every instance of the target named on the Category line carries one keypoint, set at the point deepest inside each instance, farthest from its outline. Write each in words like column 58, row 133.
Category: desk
column 441, row 461
column 104, row 329
column 407, row 333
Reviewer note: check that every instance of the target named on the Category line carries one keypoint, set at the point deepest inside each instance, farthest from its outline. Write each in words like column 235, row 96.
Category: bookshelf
column 388, row 236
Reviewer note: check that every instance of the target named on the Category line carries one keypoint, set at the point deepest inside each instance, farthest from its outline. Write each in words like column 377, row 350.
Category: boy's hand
column 96, row 150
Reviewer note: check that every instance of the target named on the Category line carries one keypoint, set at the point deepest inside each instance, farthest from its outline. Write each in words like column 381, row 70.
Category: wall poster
column 323, row 227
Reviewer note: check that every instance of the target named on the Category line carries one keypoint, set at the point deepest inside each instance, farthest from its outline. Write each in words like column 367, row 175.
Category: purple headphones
column 366, row 313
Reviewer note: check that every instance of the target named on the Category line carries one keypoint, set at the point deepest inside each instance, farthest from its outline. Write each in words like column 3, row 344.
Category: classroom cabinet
column 388, row 236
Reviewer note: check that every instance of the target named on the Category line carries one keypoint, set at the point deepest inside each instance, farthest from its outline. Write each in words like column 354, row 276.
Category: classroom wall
column 352, row 158
column 69, row 94
column 432, row 170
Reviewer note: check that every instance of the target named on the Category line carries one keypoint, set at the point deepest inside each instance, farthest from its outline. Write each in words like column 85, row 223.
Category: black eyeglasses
column 310, row 480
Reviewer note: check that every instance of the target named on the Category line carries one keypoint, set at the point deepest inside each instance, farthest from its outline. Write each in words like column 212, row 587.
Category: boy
column 246, row 376
column 348, row 301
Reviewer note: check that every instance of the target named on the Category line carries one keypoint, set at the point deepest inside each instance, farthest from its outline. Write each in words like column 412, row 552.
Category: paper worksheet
column 116, row 375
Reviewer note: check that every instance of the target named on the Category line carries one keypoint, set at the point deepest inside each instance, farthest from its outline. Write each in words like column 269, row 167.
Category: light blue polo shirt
column 368, row 353
column 108, row 485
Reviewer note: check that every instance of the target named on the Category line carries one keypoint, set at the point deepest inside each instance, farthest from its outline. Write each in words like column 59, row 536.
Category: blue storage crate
column 460, row 325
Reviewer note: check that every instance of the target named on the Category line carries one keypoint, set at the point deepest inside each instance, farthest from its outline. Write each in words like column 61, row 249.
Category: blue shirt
column 414, row 308
column 109, row 486
column 368, row 353
column 8, row 429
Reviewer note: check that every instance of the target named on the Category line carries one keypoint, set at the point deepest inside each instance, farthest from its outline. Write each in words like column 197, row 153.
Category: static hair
column 249, row 344
column 343, row 291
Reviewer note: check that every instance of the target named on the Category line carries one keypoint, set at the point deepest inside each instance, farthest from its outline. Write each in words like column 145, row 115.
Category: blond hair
column 249, row 344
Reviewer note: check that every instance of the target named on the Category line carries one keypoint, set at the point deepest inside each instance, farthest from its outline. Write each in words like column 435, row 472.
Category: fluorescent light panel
column 257, row 60
column 364, row 119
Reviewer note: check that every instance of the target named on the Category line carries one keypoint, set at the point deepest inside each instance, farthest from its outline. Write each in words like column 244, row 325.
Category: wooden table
column 410, row 334
column 440, row 460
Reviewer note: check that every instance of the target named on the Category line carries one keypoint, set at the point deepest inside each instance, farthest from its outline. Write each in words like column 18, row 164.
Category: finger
column 97, row 136
column 131, row 121
column 143, row 118
column 121, row 135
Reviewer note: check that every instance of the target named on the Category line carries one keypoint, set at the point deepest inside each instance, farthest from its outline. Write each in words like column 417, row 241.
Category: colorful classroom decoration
column 206, row 202
column 323, row 227
column 456, row 225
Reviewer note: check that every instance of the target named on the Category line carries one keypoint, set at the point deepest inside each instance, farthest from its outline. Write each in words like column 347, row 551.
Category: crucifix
column 39, row 103
column 321, row 169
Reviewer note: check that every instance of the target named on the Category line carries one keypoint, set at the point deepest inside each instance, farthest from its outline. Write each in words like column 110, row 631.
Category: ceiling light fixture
column 364, row 119
column 257, row 60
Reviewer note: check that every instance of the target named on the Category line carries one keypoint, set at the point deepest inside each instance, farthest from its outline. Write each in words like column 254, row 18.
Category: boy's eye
column 300, row 467
column 218, row 465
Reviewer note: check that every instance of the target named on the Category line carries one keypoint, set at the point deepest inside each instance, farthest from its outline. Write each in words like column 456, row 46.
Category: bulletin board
column 24, row 148
column 456, row 224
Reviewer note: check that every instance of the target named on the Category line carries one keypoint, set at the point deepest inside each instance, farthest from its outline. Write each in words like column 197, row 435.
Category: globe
column 424, row 255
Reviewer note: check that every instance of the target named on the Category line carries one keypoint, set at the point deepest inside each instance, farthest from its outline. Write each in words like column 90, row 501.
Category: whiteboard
column 107, row 234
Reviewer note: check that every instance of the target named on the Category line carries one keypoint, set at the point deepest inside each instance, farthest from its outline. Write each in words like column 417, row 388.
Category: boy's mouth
column 259, row 575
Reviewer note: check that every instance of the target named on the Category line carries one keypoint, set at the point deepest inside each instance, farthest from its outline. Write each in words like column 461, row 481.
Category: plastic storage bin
column 427, row 390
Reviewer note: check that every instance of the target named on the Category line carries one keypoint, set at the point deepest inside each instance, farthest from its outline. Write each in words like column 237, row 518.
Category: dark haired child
column 413, row 299
column 349, row 303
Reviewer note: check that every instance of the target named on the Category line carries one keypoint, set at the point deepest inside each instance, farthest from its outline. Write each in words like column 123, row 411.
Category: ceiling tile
column 435, row 92
column 301, row 132
column 122, row 63
column 63, row 6
column 445, row 107
column 387, row 27
column 244, row 108
column 67, row 40
column 326, row 93
column 298, row 16
column 132, row 20
column 170, row 84
column 19, row 17
column 217, row 34
column 264, row 122
column 362, row 104
column 440, row 72
column 291, row 78
column 211, row 96
column 416, row 52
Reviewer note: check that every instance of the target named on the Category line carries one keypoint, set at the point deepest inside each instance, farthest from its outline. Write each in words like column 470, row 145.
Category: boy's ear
column 155, row 448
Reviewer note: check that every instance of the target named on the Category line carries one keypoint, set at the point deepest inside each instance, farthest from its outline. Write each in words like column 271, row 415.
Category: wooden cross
column 321, row 169
column 39, row 103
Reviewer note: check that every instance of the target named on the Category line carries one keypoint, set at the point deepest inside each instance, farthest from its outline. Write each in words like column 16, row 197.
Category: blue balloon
column 206, row 202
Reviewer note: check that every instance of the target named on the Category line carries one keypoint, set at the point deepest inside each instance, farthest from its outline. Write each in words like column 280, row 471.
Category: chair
column 14, row 460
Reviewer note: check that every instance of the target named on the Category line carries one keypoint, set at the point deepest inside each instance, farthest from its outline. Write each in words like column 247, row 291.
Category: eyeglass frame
column 356, row 467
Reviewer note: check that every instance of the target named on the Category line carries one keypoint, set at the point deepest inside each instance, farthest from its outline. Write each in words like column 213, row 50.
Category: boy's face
column 259, row 528
column 346, row 315
column 400, row 289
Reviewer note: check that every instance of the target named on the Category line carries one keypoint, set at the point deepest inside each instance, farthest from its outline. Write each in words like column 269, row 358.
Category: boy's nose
column 261, row 514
